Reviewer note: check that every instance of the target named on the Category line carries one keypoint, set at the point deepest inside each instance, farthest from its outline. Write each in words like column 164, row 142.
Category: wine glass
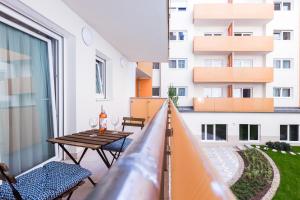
column 115, row 121
column 93, row 124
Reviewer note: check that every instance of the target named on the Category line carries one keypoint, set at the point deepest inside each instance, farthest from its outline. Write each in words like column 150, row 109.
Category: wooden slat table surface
column 88, row 140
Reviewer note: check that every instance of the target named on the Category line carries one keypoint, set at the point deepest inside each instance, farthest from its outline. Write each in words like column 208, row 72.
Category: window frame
column 281, row 35
column 249, row 132
column 204, row 131
column 282, row 60
column 281, row 5
column 281, row 89
column 158, row 91
column 55, row 74
column 99, row 96
column 185, row 91
column 288, row 132
column 176, row 60
column 156, row 65
column 177, row 35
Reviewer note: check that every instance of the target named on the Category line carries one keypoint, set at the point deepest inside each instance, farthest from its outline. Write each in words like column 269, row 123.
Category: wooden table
column 90, row 139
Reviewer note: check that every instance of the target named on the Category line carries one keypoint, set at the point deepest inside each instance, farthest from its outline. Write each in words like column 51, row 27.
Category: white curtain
column 25, row 100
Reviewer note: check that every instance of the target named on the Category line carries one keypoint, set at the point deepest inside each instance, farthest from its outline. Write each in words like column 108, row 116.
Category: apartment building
column 235, row 67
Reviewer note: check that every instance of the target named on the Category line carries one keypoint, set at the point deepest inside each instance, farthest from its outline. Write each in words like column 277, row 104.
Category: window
column 156, row 91
column 217, row 132
column 243, row 63
column 179, row 63
column 182, row 63
column 214, row 63
column 100, row 78
column 249, row 132
column 286, row 6
column 213, row 92
column 285, row 63
column 172, row 64
column 289, row 132
column 28, row 103
column 178, row 35
column 243, row 34
column 282, row 92
column 282, row 35
column 213, row 34
column 181, row 9
column 282, row 5
column 277, row 6
column 173, row 36
column 156, row 65
column 181, row 91
column 242, row 92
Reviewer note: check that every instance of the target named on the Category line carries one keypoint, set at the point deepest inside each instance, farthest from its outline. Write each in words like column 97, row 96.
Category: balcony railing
column 246, row 11
column 213, row 44
column 165, row 162
column 233, row 104
column 233, row 74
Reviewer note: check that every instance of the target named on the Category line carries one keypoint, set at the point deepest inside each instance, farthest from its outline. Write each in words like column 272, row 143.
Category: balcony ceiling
column 137, row 28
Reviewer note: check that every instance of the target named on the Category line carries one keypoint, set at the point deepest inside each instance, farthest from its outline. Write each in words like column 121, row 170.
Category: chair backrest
column 6, row 176
column 133, row 121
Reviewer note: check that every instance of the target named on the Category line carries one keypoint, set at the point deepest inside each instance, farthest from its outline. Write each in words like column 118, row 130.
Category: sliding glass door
column 27, row 100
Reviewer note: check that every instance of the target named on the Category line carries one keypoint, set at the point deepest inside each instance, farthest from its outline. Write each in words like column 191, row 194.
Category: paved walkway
column 225, row 160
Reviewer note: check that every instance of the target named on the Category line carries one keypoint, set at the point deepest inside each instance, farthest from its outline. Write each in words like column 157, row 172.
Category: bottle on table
column 102, row 121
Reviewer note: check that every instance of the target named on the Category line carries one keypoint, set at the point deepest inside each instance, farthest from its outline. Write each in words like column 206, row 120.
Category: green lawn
column 289, row 167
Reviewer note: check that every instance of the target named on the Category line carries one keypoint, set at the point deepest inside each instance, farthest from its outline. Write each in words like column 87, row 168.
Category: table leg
column 82, row 155
column 103, row 157
column 75, row 161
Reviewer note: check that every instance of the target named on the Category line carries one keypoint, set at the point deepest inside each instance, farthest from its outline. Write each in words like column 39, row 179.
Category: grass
column 256, row 177
column 289, row 167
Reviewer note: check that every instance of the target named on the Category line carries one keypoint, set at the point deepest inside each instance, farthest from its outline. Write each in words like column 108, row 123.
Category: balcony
column 186, row 170
column 233, row 75
column 227, row 44
column 258, row 12
column 234, row 105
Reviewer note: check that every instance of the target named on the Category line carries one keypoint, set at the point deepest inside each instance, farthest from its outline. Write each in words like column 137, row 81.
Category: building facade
column 235, row 67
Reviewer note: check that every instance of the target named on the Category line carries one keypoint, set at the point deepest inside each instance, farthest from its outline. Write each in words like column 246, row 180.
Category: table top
column 90, row 139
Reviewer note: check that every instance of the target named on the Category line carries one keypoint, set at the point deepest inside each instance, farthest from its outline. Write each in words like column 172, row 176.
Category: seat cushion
column 47, row 182
column 116, row 146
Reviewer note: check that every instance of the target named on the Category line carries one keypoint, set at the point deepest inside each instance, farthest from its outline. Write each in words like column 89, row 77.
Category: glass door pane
column 243, row 132
column 283, row 132
column 26, row 106
column 294, row 132
column 210, row 132
column 254, row 132
column 221, row 131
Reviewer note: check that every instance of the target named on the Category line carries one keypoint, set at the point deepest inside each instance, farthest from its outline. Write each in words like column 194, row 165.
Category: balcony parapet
column 234, row 105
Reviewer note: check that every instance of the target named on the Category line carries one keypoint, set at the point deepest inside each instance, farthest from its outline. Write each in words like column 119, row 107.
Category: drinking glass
column 115, row 121
column 93, row 124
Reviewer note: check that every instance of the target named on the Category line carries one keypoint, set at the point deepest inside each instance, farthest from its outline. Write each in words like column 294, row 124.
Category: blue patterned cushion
column 116, row 146
column 47, row 182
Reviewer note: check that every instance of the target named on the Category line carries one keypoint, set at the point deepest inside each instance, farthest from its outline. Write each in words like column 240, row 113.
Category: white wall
column 270, row 123
column 79, row 61
column 285, row 20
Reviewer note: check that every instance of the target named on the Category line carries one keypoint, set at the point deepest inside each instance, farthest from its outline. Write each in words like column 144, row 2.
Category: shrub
column 280, row 146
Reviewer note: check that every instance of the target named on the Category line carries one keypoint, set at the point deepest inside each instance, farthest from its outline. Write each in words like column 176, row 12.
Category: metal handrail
column 138, row 173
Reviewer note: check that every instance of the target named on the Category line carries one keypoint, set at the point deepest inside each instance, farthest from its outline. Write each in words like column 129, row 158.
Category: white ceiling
column 137, row 28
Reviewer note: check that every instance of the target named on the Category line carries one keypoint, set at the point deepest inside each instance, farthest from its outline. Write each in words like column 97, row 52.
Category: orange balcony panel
column 214, row 44
column 234, row 105
column 247, row 11
column 233, row 75
column 144, row 68
column 145, row 107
